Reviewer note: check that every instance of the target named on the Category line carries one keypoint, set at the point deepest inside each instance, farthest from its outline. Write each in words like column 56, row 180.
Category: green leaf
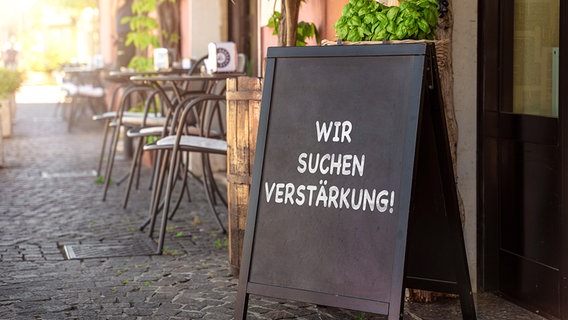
column 431, row 17
column 342, row 32
column 412, row 32
column 392, row 13
column 423, row 25
column 381, row 35
column 401, row 32
column 382, row 17
column 369, row 19
column 391, row 27
column 354, row 35
column 355, row 21
column 361, row 32
column 346, row 9
column 274, row 22
column 340, row 23
column 375, row 26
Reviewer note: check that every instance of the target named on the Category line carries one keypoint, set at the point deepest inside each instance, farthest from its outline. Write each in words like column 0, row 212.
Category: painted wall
column 107, row 29
column 323, row 13
column 204, row 22
column 464, row 46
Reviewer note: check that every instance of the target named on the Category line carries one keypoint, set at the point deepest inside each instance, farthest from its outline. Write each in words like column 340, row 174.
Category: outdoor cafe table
column 158, row 81
column 123, row 77
column 126, row 75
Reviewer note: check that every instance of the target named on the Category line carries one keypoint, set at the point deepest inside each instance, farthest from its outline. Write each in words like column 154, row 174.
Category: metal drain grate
column 105, row 250
column 70, row 174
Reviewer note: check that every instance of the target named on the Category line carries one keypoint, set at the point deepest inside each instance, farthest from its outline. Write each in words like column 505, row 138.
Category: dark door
column 521, row 245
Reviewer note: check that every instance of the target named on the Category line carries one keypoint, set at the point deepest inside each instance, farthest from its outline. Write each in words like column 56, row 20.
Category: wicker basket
column 442, row 48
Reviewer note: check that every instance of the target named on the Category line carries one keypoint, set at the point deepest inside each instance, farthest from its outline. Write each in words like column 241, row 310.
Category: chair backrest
column 196, row 86
column 196, row 66
column 203, row 115
column 213, row 119
column 207, row 115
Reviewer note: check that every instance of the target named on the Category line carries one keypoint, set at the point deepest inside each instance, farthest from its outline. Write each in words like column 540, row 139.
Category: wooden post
column 243, row 111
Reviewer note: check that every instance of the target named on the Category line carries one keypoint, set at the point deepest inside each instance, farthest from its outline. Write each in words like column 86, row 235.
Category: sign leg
column 242, row 305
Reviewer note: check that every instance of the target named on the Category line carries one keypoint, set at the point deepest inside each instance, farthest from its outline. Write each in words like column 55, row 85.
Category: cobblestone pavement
column 49, row 199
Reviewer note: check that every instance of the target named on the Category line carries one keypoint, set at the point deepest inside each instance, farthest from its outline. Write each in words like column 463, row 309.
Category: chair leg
column 154, row 170
column 110, row 159
column 133, row 167
column 167, row 197
column 207, row 175
column 114, row 142
column 214, row 185
column 72, row 112
column 156, row 193
column 184, row 186
column 139, row 167
column 103, row 148
column 114, row 96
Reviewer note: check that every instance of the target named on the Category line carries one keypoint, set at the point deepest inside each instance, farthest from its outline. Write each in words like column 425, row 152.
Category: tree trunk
column 169, row 21
column 289, row 23
column 282, row 27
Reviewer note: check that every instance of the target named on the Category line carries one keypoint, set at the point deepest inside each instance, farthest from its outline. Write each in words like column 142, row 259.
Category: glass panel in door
column 535, row 57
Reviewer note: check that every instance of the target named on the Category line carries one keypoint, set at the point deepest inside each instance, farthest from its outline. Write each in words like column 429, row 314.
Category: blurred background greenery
column 48, row 33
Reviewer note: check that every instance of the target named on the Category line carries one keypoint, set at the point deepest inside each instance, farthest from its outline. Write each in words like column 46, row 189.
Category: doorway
column 521, row 178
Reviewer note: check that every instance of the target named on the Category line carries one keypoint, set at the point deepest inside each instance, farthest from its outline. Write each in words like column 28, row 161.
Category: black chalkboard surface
column 335, row 166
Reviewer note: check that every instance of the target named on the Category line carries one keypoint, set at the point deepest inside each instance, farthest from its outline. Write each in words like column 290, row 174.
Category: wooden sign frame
column 331, row 251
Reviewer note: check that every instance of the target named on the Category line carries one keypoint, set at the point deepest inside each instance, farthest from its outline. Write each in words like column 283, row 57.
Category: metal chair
column 83, row 90
column 144, row 131
column 211, row 124
column 124, row 119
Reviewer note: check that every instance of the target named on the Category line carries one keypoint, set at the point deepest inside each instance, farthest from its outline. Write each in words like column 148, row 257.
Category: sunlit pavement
column 49, row 200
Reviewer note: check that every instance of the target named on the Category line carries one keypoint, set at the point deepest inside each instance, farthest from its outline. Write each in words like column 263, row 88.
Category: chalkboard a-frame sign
column 353, row 195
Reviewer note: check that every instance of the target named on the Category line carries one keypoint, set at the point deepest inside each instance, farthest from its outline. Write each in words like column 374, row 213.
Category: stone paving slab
column 49, row 199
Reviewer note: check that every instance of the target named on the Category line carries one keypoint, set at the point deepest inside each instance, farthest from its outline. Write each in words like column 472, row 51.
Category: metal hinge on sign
column 430, row 65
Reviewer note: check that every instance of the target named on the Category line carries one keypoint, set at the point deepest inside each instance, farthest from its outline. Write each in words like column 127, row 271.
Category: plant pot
column 1, row 145
column 6, row 117
column 148, row 158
